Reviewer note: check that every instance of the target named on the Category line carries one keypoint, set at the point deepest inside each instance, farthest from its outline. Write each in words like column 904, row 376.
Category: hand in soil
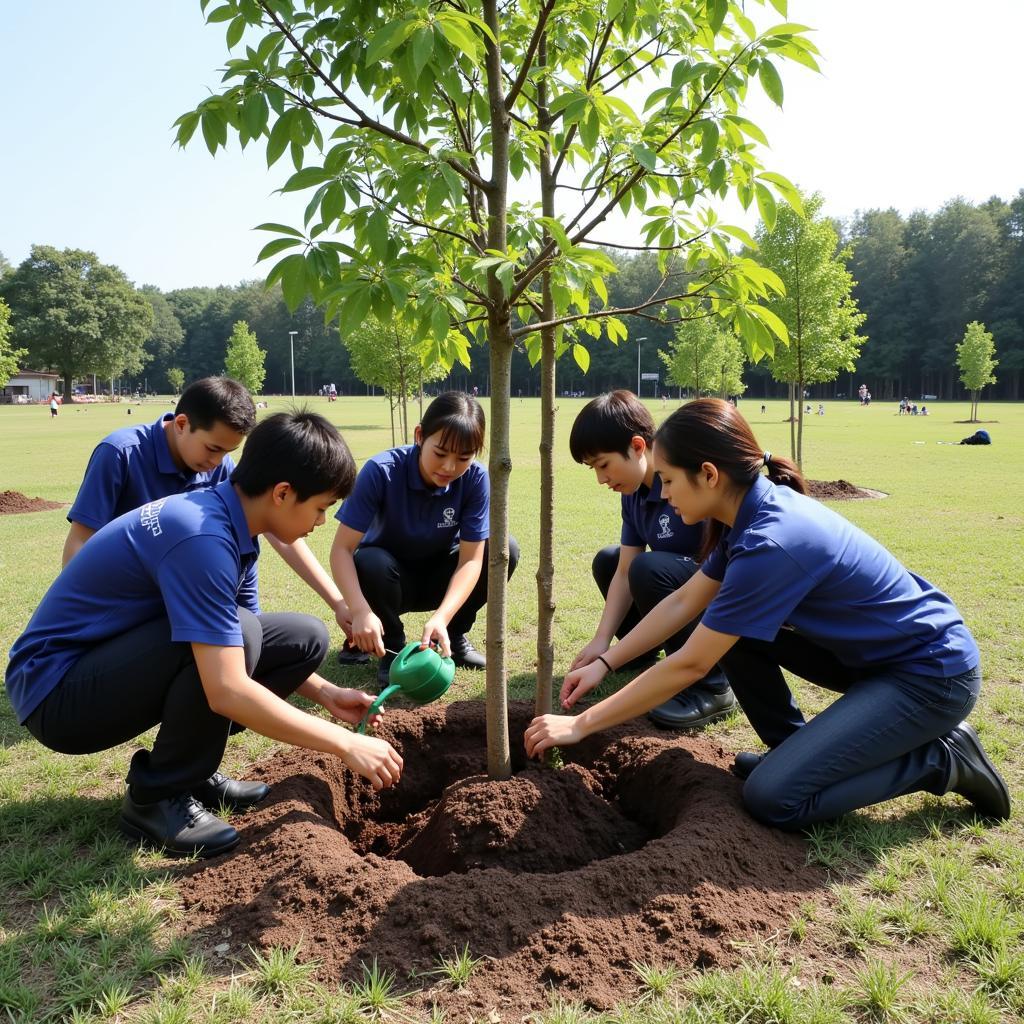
column 551, row 731
column 580, row 682
column 376, row 760
column 348, row 705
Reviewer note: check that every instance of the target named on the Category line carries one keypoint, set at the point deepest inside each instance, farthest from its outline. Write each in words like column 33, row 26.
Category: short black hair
column 299, row 448
column 608, row 423
column 460, row 420
column 217, row 399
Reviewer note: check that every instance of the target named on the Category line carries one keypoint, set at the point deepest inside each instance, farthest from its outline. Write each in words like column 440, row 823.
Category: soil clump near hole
column 638, row 849
column 840, row 490
column 14, row 502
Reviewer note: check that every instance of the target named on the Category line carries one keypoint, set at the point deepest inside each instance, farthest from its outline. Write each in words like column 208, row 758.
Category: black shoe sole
column 694, row 723
column 345, row 658
column 136, row 834
column 978, row 751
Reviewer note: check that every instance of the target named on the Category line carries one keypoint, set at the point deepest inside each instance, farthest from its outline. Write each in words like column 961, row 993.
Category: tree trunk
column 546, row 547
column 391, row 407
column 800, row 429
column 792, row 422
column 421, row 391
column 69, row 388
column 499, row 336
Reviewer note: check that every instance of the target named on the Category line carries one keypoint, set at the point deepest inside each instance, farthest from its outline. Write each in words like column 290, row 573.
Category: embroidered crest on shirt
column 149, row 516
column 663, row 522
column 449, row 519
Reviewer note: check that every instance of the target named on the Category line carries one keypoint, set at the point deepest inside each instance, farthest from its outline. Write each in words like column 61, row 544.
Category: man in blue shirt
column 180, row 452
column 156, row 622
column 612, row 435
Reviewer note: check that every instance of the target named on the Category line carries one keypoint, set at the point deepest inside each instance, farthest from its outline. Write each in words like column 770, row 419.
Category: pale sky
column 919, row 101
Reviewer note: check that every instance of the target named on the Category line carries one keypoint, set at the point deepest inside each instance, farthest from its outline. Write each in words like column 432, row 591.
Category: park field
column 925, row 915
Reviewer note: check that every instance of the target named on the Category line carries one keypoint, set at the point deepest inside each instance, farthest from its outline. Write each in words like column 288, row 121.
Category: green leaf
column 225, row 13
column 255, row 113
column 771, row 321
column 557, row 232
column 787, row 28
column 439, row 322
column 385, row 42
column 645, row 157
column 766, row 205
column 590, row 129
column 215, row 130
column 709, row 143
column 422, row 47
column 280, row 136
column 505, row 273
column 276, row 246
column 716, row 176
column 187, row 124
column 354, row 311
column 282, row 229
column 582, row 357
column 235, row 31
column 306, row 178
column 770, row 81
column 293, row 280
column 377, row 234
column 717, row 10
column 782, row 6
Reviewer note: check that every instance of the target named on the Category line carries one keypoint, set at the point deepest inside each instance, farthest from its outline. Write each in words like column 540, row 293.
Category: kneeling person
column 612, row 435
column 155, row 622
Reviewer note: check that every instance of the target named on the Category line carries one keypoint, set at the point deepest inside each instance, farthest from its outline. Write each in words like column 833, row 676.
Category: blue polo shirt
column 648, row 520
column 789, row 560
column 131, row 466
column 396, row 509
column 188, row 557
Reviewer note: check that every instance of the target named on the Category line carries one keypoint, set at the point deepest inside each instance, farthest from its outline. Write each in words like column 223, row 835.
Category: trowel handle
column 376, row 705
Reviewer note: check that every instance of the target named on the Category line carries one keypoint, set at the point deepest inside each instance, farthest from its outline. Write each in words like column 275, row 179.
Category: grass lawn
column 926, row 912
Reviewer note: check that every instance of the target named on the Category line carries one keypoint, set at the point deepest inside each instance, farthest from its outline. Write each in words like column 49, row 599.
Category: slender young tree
column 975, row 356
column 10, row 358
column 244, row 359
column 176, row 378
column 817, row 308
column 418, row 126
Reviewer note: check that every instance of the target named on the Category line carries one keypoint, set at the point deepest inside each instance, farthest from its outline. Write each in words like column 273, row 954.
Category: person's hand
column 375, row 759
column 348, row 705
column 551, row 731
column 435, row 631
column 589, row 653
column 580, row 682
column 343, row 616
column 368, row 633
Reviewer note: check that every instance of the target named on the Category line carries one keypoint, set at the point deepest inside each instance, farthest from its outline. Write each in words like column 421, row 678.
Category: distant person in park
column 54, row 405
column 413, row 537
column 656, row 554
column 155, row 622
column 821, row 409
column 790, row 584
column 978, row 437
column 924, row 410
column 764, row 408
column 180, row 452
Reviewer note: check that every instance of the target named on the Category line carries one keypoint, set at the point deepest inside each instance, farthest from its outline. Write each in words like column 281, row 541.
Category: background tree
column 76, row 315
column 818, row 310
column 165, row 337
column 244, row 358
column 176, row 378
column 5, row 266
column 390, row 357
column 10, row 358
column 975, row 357
column 407, row 121
column 691, row 356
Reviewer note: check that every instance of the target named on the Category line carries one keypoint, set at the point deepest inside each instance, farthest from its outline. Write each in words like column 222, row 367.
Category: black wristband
column 600, row 658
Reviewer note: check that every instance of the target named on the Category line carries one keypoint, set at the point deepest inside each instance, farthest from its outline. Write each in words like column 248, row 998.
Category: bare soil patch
column 841, row 490
column 13, row 502
column 638, row 849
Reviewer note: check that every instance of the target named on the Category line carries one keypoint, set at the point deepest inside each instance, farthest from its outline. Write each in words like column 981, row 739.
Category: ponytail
column 711, row 430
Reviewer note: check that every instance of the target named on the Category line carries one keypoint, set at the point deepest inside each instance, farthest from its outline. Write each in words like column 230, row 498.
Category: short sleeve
column 761, row 586
column 249, row 591
column 630, row 536
column 199, row 582
column 360, row 508
column 714, row 565
column 474, row 522
column 104, row 480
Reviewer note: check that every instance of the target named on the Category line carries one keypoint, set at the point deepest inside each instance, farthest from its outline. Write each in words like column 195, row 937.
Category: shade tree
column 975, row 356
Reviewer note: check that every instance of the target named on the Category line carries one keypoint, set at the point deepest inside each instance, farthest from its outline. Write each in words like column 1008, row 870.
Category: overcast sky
column 916, row 105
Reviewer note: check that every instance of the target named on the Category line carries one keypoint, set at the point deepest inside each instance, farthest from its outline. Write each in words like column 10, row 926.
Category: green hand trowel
column 419, row 675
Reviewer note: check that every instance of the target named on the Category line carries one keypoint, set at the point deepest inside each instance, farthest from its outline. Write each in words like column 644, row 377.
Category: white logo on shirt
column 663, row 522
column 449, row 519
column 149, row 516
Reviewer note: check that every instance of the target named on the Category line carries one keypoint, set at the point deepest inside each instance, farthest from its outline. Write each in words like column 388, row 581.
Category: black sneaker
column 745, row 762
column 180, row 825
column 974, row 776
column 220, row 791
column 693, row 708
column 351, row 655
column 464, row 654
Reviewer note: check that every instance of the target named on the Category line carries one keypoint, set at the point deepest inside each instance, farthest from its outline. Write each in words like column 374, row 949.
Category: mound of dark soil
column 12, row 502
column 638, row 849
column 840, row 490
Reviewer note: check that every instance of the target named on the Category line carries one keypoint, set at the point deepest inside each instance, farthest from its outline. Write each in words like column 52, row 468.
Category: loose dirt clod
column 639, row 849
column 13, row 502
column 840, row 490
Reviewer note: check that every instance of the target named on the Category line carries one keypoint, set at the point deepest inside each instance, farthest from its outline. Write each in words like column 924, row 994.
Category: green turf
column 87, row 925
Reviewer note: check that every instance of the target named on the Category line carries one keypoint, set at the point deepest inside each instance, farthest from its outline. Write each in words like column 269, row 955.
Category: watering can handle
column 376, row 705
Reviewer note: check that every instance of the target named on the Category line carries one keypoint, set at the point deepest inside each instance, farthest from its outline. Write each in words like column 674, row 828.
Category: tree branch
column 531, row 51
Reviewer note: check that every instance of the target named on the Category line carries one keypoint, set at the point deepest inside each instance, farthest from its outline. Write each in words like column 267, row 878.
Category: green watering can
column 419, row 675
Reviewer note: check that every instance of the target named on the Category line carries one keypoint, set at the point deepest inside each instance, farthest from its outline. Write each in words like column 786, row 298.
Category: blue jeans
column 881, row 739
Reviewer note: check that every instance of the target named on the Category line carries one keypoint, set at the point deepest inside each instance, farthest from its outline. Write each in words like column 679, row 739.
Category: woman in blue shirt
column 412, row 536
column 788, row 583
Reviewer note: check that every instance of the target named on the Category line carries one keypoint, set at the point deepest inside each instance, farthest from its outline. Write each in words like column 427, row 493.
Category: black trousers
column 393, row 586
column 140, row 679
column 653, row 575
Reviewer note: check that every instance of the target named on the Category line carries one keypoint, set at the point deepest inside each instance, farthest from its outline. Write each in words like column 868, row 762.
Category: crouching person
column 155, row 622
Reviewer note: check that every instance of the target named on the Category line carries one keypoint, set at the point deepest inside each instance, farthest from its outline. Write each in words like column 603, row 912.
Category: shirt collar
column 413, row 475
column 651, row 495
column 760, row 489
column 229, row 496
column 164, row 459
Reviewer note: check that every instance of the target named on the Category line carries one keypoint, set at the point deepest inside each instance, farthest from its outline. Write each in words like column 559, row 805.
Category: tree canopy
column 975, row 355
column 9, row 357
column 244, row 359
column 77, row 315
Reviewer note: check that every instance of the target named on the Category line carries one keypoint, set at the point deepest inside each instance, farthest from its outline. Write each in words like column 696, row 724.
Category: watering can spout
column 419, row 674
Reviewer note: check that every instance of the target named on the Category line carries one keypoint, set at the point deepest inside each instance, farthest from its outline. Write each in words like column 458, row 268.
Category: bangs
column 462, row 436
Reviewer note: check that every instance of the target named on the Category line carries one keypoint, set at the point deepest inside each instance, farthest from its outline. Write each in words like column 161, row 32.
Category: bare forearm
column 616, row 605
column 76, row 538
column 461, row 585
column 343, row 566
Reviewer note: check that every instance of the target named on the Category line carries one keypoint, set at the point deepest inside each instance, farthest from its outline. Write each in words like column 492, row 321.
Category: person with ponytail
column 412, row 536
column 787, row 583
